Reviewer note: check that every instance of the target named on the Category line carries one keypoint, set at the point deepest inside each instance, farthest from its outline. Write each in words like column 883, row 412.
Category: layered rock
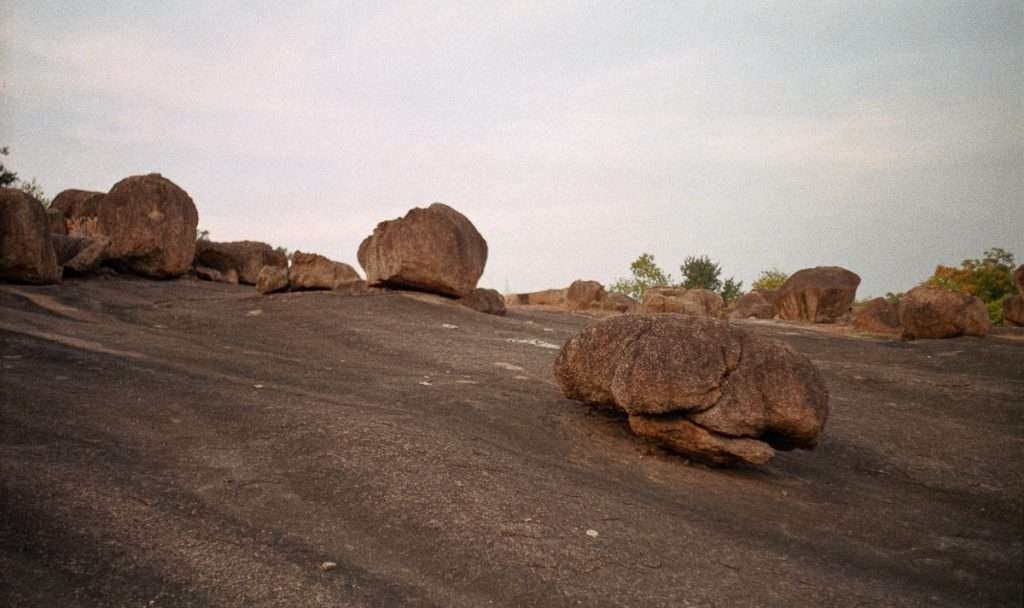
column 699, row 386
column 583, row 295
column 757, row 304
column 487, row 301
column 151, row 223
column 821, row 294
column 699, row 302
column 314, row 271
column 246, row 258
column 930, row 312
column 436, row 249
column 26, row 252
column 878, row 316
column 272, row 279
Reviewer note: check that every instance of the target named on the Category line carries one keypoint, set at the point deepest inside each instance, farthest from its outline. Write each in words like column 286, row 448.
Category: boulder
column 434, row 249
column 486, row 301
column 229, row 276
column 697, row 385
column 878, row 316
column 272, row 279
column 699, row 302
column 1018, row 278
column 80, row 255
column 548, row 297
column 26, row 252
column 314, row 271
column 617, row 302
column 756, row 304
column 930, row 312
column 151, row 224
column 246, row 258
column 80, row 209
column 1013, row 311
column 583, row 295
column 821, row 294
column 55, row 221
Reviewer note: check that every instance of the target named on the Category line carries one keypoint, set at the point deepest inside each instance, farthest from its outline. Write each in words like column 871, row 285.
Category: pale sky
column 885, row 137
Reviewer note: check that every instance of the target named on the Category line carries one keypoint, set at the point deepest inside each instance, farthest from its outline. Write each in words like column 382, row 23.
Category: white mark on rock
column 509, row 366
column 449, row 326
column 592, row 533
column 254, row 312
column 533, row 342
column 425, row 383
column 328, row 566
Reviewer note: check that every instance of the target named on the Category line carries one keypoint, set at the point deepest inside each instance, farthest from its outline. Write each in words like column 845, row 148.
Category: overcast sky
column 883, row 137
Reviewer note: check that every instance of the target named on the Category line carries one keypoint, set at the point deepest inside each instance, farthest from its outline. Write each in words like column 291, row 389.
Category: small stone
column 592, row 533
column 328, row 566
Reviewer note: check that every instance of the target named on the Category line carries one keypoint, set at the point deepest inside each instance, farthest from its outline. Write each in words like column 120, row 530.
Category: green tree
column 990, row 279
column 701, row 273
column 646, row 273
column 731, row 289
column 773, row 278
column 7, row 177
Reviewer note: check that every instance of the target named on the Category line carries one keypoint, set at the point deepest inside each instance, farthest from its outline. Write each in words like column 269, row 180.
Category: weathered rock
column 548, row 297
column 699, row 302
column 583, row 295
column 246, row 258
column 56, row 222
column 756, row 304
column 229, row 276
column 818, row 295
column 434, row 249
column 1018, row 278
column 26, row 253
column 878, row 316
column 80, row 209
column 272, row 279
column 1013, row 311
column 930, row 312
column 617, row 302
column 80, row 255
column 486, row 301
column 151, row 223
column 731, row 384
column 314, row 271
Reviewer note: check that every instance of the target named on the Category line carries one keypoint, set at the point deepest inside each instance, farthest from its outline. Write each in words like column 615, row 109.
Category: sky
column 884, row 137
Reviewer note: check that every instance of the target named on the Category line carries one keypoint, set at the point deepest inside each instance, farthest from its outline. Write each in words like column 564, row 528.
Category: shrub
column 773, row 278
column 990, row 279
column 646, row 273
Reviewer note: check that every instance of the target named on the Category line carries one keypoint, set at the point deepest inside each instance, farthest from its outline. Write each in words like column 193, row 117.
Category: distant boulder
column 314, row 271
column 26, row 252
column 757, row 304
column 151, row 223
column 878, row 316
column 56, row 222
column 930, row 312
column 80, row 255
column 1013, row 311
column 486, row 301
column 699, row 302
column 583, row 295
column 246, row 258
column 229, row 276
column 80, row 209
column 617, row 302
column 547, row 297
column 1018, row 278
column 821, row 294
column 272, row 279
column 436, row 249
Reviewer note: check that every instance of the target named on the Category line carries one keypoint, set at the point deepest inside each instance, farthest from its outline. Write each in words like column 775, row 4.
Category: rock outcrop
column 80, row 255
column 1018, row 278
column 1013, row 311
column 699, row 386
column 272, row 279
column 821, row 294
column 757, row 304
column 26, row 252
column 55, row 222
column 584, row 295
column 487, row 301
column 878, row 316
column 699, row 302
column 229, row 276
column 436, row 249
column 246, row 258
column 614, row 301
column 314, row 271
column 80, row 209
column 547, row 297
column 151, row 223
column 930, row 312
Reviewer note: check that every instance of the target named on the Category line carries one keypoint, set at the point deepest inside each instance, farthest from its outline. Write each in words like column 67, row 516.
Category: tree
column 202, row 235
column 33, row 189
column 990, row 279
column 7, row 177
column 773, row 278
column 701, row 273
column 645, row 274
column 731, row 289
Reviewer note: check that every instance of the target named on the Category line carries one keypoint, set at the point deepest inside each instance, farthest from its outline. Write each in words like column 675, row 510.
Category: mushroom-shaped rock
column 314, row 271
column 700, row 386
column 434, row 249
column 247, row 258
column 878, row 316
column 80, row 209
column 583, row 295
column 930, row 312
column 818, row 295
column 151, row 223
column 26, row 252
column 756, row 304
column 487, row 301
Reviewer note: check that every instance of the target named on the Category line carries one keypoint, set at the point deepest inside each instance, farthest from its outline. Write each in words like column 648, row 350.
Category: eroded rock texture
column 930, row 312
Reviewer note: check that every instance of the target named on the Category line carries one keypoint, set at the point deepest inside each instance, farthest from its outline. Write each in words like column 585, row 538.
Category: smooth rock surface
column 878, row 316
column 272, row 279
column 583, row 295
column 930, row 312
column 487, row 301
column 314, row 271
column 246, row 258
column 26, row 253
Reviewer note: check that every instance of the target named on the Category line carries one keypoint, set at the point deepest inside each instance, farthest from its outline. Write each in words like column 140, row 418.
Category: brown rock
column 680, row 435
column 272, row 279
column 1018, row 278
column 26, row 253
column 434, row 249
column 818, row 295
column 878, row 316
column 1013, row 311
column 930, row 312
column 487, row 301
column 699, row 302
column 151, row 223
column 246, row 258
column 548, row 297
column 229, row 276
column 313, row 271
column 753, row 305
column 80, row 255
column 583, row 295
column 80, row 209
column 55, row 221
column 618, row 302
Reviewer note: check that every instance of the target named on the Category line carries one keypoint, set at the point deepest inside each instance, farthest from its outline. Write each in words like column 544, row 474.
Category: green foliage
column 646, row 273
column 7, row 177
column 773, row 278
column 731, row 289
column 701, row 273
column 990, row 279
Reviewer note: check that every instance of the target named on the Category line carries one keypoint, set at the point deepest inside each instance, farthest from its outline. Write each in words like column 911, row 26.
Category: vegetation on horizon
column 10, row 179
column 697, row 273
column 990, row 279
column 772, row 278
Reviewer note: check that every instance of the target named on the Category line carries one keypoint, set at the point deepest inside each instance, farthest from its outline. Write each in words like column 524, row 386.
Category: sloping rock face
column 583, row 295
column 753, row 305
column 80, row 255
column 80, row 209
column 878, row 316
column 548, row 297
column 699, row 386
column 699, row 302
column 151, row 223
column 487, row 301
column 930, row 312
column 246, row 258
column 314, row 271
column 26, row 253
column 818, row 295
column 272, row 279
column 436, row 249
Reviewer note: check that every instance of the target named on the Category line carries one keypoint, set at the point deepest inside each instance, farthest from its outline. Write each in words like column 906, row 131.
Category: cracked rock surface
column 699, row 386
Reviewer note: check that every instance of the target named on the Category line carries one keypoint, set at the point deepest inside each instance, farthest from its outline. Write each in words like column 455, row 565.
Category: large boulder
column 272, row 279
column 930, row 312
column 547, row 297
column 434, row 249
column 487, row 301
column 821, row 294
column 80, row 209
column 314, row 271
column 229, row 276
column 1013, row 311
column 246, row 258
column 583, row 295
column 757, row 304
column 1018, row 278
column 26, row 252
column 878, row 316
column 699, row 302
column 617, row 302
column 78, row 254
column 56, row 222
column 700, row 386
column 151, row 223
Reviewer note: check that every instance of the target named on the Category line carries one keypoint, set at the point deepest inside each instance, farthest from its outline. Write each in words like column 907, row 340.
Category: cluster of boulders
column 581, row 295
column 702, row 387
column 924, row 312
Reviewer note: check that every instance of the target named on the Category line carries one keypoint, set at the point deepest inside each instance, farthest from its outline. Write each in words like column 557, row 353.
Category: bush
column 990, row 279
column 645, row 274
column 773, row 278
column 698, row 273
